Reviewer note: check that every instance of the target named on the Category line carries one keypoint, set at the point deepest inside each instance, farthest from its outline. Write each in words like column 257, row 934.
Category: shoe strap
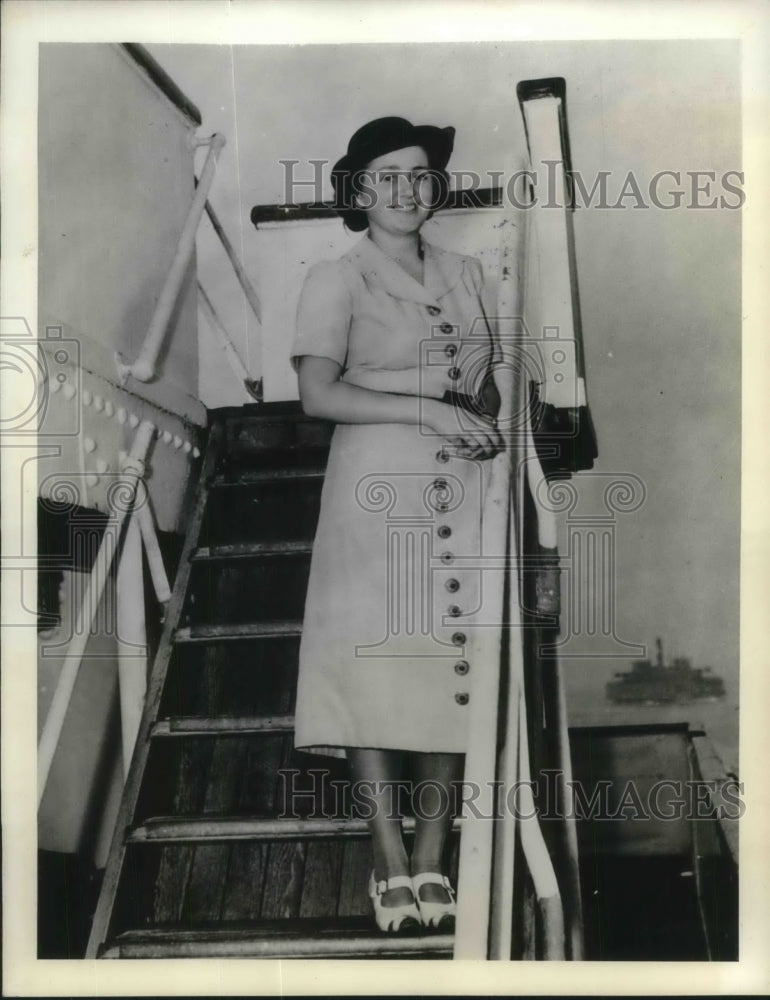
column 432, row 878
column 396, row 882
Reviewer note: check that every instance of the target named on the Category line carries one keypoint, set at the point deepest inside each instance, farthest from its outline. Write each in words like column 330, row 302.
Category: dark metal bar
column 315, row 210
column 162, row 80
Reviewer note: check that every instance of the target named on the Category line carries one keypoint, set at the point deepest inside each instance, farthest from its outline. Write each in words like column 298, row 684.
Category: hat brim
column 437, row 143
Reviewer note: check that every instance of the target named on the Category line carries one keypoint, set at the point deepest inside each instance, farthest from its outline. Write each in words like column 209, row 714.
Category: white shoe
column 404, row 919
column 439, row 917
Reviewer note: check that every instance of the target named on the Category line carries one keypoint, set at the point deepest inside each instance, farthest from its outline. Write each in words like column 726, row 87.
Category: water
column 587, row 705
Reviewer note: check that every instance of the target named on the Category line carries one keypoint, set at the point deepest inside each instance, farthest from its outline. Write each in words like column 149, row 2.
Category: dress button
column 450, row 350
column 442, row 455
column 447, row 557
column 446, row 328
column 459, row 639
column 434, row 310
column 454, row 373
column 444, row 531
column 455, row 610
column 462, row 667
column 462, row 698
column 452, row 585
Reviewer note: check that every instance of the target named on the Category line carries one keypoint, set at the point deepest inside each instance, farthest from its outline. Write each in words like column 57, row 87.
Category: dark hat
column 383, row 135
column 376, row 138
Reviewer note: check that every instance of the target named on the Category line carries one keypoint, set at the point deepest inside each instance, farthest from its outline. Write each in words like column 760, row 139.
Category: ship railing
column 498, row 755
column 129, row 516
column 130, row 528
column 145, row 367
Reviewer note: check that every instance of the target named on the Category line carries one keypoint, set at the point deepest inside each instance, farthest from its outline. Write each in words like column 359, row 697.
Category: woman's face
column 396, row 191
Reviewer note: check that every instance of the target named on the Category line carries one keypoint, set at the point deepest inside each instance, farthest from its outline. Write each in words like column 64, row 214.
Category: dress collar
column 442, row 271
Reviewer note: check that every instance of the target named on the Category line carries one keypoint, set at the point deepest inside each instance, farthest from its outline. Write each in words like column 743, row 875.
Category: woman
column 392, row 346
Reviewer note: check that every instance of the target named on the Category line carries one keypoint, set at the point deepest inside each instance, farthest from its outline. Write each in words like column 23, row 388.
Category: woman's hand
column 471, row 435
column 324, row 395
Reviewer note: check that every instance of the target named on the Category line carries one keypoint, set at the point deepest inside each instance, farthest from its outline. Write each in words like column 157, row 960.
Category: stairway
column 213, row 855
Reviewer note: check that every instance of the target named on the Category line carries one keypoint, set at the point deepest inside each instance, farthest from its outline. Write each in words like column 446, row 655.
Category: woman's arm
column 324, row 395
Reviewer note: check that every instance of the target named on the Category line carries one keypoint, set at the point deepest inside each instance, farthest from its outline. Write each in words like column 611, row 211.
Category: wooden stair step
column 194, row 829
column 249, row 451
column 303, row 940
column 251, row 550
column 287, row 410
column 209, row 829
column 249, row 630
column 194, row 725
column 247, row 476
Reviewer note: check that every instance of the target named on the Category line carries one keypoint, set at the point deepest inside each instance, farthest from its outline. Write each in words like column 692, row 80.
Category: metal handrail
column 143, row 368
column 248, row 289
column 500, row 757
column 481, row 879
column 152, row 546
column 241, row 372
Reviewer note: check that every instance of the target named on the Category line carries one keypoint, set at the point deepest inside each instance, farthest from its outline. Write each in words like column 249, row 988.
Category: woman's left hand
column 472, row 436
column 480, row 440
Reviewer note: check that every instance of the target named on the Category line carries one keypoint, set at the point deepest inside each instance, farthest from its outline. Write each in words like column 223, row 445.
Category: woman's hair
column 356, row 219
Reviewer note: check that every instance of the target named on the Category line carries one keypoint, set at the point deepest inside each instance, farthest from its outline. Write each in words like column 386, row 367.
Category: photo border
column 24, row 25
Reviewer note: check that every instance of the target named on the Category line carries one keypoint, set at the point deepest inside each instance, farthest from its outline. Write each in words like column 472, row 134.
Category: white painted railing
column 248, row 289
column 140, row 539
column 229, row 350
column 144, row 368
column 133, row 503
column 123, row 498
column 500, row 757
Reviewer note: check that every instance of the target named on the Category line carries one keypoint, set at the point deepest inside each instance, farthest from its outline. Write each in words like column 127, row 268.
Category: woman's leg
column 433, row 776
column 382, row 767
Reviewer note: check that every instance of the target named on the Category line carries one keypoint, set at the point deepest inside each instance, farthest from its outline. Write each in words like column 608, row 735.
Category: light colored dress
column 395, row 586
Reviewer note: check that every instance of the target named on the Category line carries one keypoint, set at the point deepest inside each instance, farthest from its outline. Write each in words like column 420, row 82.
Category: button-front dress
column 395, row 594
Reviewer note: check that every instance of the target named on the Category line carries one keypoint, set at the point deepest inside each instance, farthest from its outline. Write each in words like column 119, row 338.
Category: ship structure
column 661, row 682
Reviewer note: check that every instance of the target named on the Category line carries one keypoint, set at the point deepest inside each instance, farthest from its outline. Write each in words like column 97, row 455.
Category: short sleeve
column 477, row 278
column 323, row 315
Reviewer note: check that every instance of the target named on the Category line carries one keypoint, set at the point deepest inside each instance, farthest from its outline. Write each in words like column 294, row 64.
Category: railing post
column 151, row 546
column 132, row 637
column 240, row 271
column 476, row 932
column 233, row 357
column 122, row 496
column 143, row 368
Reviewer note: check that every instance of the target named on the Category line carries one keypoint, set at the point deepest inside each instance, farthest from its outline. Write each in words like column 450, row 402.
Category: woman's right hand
column 471, row 435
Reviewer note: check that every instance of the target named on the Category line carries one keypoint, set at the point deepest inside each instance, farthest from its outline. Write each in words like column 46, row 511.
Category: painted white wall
column 115, row 185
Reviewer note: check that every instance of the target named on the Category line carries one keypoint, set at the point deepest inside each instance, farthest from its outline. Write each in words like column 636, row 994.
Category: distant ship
column 679, row 681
